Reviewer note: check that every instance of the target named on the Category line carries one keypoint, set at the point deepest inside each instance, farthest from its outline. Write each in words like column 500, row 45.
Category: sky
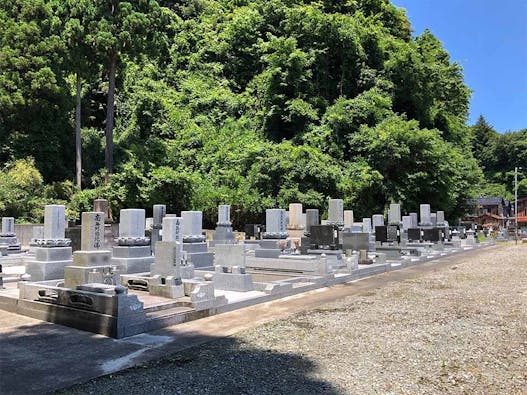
column 489, row 39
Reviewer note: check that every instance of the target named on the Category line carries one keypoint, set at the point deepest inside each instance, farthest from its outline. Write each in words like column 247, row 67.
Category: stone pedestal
column 230, row 275
column 132, row 259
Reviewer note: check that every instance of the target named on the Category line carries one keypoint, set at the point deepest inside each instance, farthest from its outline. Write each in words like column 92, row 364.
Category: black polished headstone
column 381, row 234
column 254, row 230
column 414, row 234
column 324, row 235
column 432, row 234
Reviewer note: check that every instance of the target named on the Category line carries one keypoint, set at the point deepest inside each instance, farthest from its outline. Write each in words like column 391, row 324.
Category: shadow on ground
column 217, row 366
column 44, row 358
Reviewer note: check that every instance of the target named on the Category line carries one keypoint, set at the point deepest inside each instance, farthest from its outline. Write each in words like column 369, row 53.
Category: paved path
column 37, row 357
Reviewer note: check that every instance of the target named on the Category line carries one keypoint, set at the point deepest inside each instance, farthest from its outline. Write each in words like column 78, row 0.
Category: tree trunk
column 78, row 144
column 108, row 157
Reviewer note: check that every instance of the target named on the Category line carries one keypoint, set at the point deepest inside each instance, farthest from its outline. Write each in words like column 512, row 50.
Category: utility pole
column 516, row 202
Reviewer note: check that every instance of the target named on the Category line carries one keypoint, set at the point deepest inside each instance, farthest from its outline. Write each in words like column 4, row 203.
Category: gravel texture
column 462, row 329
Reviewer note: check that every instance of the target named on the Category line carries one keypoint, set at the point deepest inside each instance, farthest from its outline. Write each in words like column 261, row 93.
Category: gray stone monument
column 366, row 225
column 377, row 220
column 426, row 219
column 159, row 211
column 336, row 212
column 132, row 253
column 394, row 215
column 348, row 219
column 223, row 233
column 407, row 222
column 165, row 272
column 275, row 224
column 440, row 218
column 295, row 217
column 415, row 222
column 312, row 218
column 193, row 240
column 53, row 252
column 91, row 264
column 8, row 237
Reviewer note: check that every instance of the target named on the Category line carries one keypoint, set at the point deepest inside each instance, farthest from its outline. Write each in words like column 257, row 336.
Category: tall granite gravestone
column 8, row 236
column 312, row 218
column 194, row 241
column 223, row 233
column 394, row 215
column 295, row 226
column 336, row 212
column 415, row 222
column 132, row 253
column 440, row 218
column 53, row 252
column 348, row 219
column 158, row 213
column 426, row 219
column 366, row 225
column 275, row 224
column 101, row 205
column 91, row 264
column 433, row 218
column 407, row 222
column 230, row 274
column 165, row 272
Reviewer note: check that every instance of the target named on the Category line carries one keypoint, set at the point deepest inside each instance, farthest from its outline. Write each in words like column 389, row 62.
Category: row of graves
column 131, row 283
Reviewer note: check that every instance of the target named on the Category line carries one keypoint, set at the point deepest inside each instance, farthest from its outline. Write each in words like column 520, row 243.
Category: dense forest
column 258, row 104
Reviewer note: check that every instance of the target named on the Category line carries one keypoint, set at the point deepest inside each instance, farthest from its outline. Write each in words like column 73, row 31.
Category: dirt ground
column 459, row 329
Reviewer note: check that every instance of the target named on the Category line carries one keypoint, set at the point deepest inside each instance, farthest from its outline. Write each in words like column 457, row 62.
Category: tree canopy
column 252, row 103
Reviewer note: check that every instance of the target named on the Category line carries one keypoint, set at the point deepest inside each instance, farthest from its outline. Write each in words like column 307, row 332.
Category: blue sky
column 489, row 39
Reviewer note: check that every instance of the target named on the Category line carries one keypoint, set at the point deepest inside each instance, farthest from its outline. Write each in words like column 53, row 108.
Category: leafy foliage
column 253, row 103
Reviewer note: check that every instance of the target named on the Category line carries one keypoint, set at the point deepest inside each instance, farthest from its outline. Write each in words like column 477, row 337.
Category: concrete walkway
column 39, row 357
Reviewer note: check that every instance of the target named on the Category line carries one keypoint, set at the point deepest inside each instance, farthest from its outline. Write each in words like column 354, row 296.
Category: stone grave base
column 108, row 310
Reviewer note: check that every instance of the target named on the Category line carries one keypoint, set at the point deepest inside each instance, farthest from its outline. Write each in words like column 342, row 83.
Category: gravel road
column 461, row 329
